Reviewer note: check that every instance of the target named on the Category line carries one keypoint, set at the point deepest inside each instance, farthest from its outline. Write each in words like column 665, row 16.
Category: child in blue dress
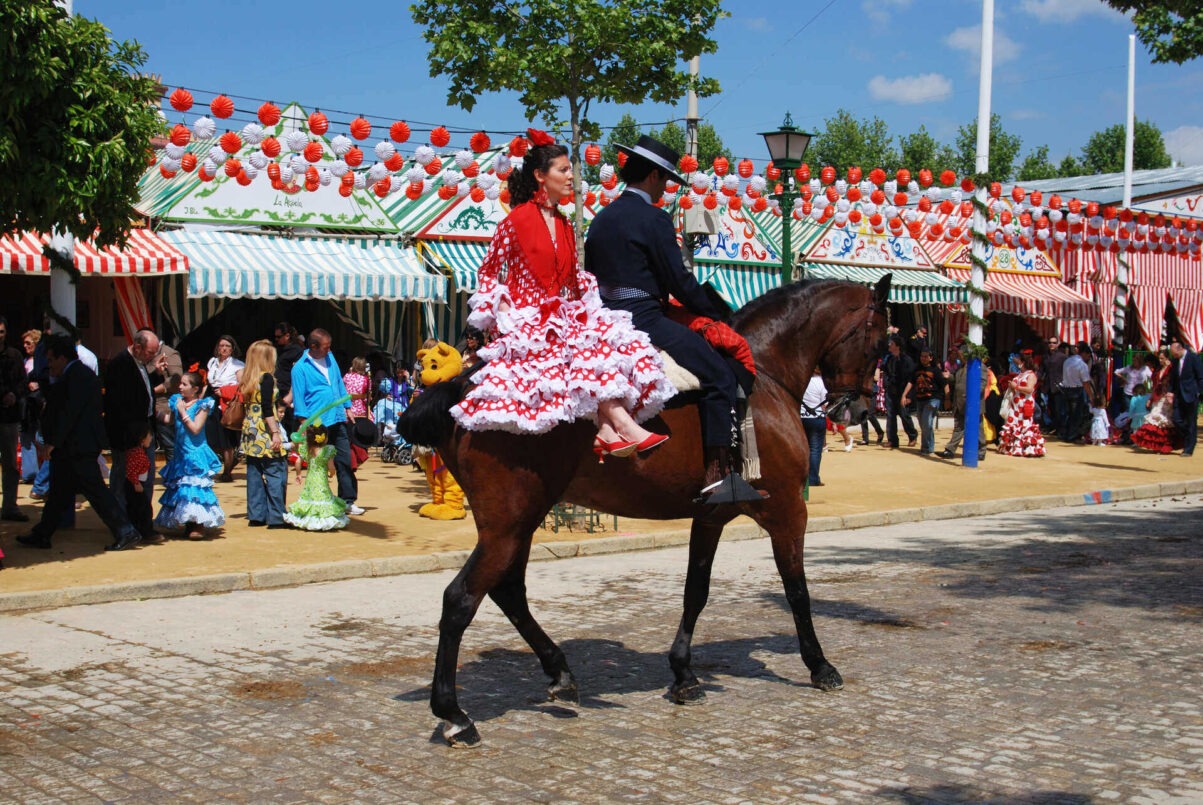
column 188, row 502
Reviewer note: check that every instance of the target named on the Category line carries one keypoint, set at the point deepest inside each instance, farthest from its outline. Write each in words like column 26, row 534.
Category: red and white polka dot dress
column 1021, row 434
column 553, row 356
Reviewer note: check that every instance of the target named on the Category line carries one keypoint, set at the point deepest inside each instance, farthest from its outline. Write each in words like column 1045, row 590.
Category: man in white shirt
column 1139, row 372
column 1079, row 391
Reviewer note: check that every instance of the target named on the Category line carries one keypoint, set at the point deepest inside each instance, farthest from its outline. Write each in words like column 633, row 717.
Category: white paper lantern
column 299, row 164
column 170, row 164
column 251, row 171
column 296, row 140
column 285, row 171
column 758, row 183
column 338, row 168
column 258, row 159
column 415, row 175
column 424, row 155
column 174, row 151
column 385, row 151
column 700, row 182
column 204, row 127
column 324, row 177
column 492, row 193
column 377, row 172
column 502, row 164
column 253, row 133
column 340, row 145
column 463, row 158
column 361, row 180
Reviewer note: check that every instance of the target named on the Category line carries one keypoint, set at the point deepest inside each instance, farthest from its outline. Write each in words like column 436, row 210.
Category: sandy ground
column 870, row 478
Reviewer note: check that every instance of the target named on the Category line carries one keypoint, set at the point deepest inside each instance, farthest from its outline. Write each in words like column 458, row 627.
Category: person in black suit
column 1186, row 381
column 129, row 400
column 73, row 429
column 632, row 250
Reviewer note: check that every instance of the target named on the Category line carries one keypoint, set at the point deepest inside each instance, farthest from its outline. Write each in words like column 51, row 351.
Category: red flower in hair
column 539, row 138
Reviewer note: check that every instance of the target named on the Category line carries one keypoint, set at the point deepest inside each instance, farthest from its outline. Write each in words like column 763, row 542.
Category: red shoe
column 653, row 440
column 620, row 449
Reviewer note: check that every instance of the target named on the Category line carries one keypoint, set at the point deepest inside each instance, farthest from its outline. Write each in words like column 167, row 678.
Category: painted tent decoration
column 998, row 258
column 856, row 244
column 1186, row 205
column 223, row 201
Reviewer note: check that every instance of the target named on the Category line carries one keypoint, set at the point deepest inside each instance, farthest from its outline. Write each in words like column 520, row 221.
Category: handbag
column 1004, row 409
column 234, row 413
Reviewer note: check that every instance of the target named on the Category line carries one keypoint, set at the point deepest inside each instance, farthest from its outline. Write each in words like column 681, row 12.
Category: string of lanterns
column 905, row 203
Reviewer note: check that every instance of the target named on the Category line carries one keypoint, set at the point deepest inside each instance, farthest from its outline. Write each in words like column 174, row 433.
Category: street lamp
column 786, row 147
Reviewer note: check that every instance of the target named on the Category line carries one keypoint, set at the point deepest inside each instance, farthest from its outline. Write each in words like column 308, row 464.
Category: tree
column 920, row 150
column 562, row 55
column 1172, row 31
column 1070, row 166
column 1104, row 151
column 76, row 120
column 1004, row 148
column 846, row 142
column 1036, row 165
column 710, row 145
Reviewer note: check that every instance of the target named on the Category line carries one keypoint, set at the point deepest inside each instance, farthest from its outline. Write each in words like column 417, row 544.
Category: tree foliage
column 1172, row 30
column 846, row 141
column 1104, row 151
column 563, row 55
column 1037, row 165
column 921, row 150
column 76, row 120
column 1004, row 149
column 710, row 145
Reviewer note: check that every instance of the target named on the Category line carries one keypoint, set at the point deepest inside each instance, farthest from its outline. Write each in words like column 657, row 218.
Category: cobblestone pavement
column 1048, row 656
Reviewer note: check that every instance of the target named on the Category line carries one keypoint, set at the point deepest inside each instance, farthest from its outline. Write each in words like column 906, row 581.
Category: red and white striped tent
column 144, row 255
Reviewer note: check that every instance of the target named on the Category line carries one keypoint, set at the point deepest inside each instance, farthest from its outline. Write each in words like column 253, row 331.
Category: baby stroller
column 394, row 448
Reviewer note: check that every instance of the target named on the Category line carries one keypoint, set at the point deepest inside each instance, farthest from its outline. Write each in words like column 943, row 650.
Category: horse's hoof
column 461, row 736
column 827, row 678
column 567, row 693
column 689, row 693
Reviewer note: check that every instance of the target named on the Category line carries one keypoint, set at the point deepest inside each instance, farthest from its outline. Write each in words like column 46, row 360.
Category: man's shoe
column 256, row 523
column 279, row 525
column 125, row 542
column 881, row 438
column 948, row 454
column 15, row 516
column 36, row 496
column 910, row 442
column 356, row 510
column 34, row 541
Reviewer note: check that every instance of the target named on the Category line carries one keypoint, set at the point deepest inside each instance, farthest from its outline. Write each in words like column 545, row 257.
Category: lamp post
column 786, row 147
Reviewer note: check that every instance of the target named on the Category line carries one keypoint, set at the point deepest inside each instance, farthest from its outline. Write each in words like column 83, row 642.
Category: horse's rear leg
column 703, row 543
column 785, row 520
column 510, row 597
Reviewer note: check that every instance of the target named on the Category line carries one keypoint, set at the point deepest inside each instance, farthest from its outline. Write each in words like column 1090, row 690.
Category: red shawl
column 553, row 265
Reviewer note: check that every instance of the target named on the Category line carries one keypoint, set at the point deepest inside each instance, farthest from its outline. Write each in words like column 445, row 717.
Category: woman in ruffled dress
column 556, row 353
column 317, row 508
column 1021, row 434
column 1158, row 433
column 188, row 502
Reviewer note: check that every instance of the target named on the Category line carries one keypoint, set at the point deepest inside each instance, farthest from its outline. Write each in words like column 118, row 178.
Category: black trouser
column 895, row 411
column 1077, row 415
column 348, row 484
column 1186, row 420
column 717, row 406
column 80, row 474
column 137, row 509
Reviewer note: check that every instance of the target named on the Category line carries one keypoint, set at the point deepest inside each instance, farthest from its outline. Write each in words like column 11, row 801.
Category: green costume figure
column 317, row 508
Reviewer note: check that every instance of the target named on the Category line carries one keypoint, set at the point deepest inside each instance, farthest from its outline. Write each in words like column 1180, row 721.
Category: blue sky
column 1059, row 66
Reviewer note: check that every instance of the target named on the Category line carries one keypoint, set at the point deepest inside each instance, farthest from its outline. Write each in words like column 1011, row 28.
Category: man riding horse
column 632, row 250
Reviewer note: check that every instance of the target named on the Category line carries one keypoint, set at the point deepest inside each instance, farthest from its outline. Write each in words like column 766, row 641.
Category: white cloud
column 1185, row 144
column 969, row 40
column 1025, row 114
column 878, row 11
column 1053, row 11
column 910, row 89
column 760, row 24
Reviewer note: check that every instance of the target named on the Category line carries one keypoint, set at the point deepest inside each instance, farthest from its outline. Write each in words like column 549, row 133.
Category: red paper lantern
column 854, row 193
column 242, row 178
column 610, row 183
column 622, row 159
column 925, row 178
column 854, row 175
column 760, row 205
column 221, row 106
column 966, row 209
column 1037, row 197
column 346, row 190
column 903, row 176
column 318, row 123
column 854, row 216
column 688, row 163
column 833, row 195
column 686, row 202
column 382, row 187
column 1017, row 194
column 807, row 208
column 348, row 179
column 269, row 114
column 361, row 129
column 875, row 220
column 948, row 178
column 877, row 176
column 772, row 172
column 313, row 151
column 273, row 171
column 946, row 206
column 232, row 168
column 967, row 185
column 827, row 175
column 1092, row 209
column 900, row 199
column 270, row 147
column 721, row 165
column 413, row 191
column 439, row 136
column 518, row 147
column 995, row 190
column 180, row 135
column 746, row 169
column 592, row 154
column 188, row 162
column 1004, row 217
column 204, row 177
column 230, row 142
column 311, row 174
column 735, row 203
column 710, row 201
column 181, row 100
column 878, row 196
column 433, row 167
column 399, row 131
column 1075, row 206
column 476, row 194
column 447, row 192
column 165, row 173
column 354, row 156
column 802, row 173
column 590, row 198
column 924, row 204
column 479, row 142
column 394, row 163
column 277, row 184
column 1054, row 202
column 472, row 169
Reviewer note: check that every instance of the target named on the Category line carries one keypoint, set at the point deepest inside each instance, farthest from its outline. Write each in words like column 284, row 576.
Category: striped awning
column 237, row 265
column 145, row 255
column 738, row 284
column 907, row 286
column 1037, row 296
column 461, row 258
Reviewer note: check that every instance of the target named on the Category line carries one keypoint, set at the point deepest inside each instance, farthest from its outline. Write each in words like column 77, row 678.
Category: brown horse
column 512, row 482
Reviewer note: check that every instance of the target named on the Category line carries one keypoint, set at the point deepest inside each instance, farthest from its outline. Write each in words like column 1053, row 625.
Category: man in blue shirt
column 316, row 383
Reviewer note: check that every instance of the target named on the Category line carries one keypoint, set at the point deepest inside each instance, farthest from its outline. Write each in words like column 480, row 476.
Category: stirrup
column 731, row 489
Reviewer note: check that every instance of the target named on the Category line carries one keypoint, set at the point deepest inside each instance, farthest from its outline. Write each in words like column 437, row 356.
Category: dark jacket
column 286, row 358
column 126, row 399
column 1188, row 382
column 632, row 244
column 896, row 373
column 72, row 422
column 12, row 379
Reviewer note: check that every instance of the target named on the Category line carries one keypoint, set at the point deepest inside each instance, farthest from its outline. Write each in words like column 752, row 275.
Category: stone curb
column 452, row 560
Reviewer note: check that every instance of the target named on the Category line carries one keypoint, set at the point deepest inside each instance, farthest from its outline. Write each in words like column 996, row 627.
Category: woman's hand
column 181, row 407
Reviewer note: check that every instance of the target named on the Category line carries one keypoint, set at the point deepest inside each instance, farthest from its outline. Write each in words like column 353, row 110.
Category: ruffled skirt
column 318, row 515
column 1020, row 434
column 555, row 363
column 188, row 495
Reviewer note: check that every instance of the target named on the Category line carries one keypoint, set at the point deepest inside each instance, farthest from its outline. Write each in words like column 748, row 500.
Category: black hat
column 656, row 153
column 364, row 432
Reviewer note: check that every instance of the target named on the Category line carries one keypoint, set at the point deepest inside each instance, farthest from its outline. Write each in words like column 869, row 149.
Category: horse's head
column 853, row 345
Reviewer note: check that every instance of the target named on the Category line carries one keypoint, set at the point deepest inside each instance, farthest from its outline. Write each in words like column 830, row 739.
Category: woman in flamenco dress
column 1158, row 433
column 555, row 354
column 188, row 503
column 1021, row 434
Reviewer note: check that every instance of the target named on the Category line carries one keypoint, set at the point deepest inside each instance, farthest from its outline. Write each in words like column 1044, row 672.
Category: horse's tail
column 428, row 420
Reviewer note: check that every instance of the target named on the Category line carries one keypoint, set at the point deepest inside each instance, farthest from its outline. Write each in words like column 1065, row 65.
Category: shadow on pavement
column 956, row 794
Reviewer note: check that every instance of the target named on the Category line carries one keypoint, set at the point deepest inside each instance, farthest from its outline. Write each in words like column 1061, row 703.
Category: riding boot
column 721, row 484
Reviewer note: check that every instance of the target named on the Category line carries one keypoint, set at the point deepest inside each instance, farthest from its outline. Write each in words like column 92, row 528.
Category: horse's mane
column 777, row 307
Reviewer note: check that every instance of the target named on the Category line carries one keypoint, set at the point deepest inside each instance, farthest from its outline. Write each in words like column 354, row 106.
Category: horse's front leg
column 461, row 599
column 784, row 517
column 510, row 597
column 703, row 542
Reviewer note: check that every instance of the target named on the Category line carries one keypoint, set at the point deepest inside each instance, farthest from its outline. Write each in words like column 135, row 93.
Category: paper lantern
column 345, row 191
column 382, row 187
column 221, row 107
column 995, row 190
column 903, row 176
column 230, row 142
column 433, row 167
column 472, row 169
column 948, row 178
column 269, row 114
column 772, row 172
column 243, row 178
column 622, row 158
column 832, row 193
column 721, row 165
column 925, row 178
column 270, row 147
column 181, row 100
column 188, row 162
column 313, row 151
column 180, row 135
column 232, row 167
column 395, row 162
column 592, row 154
column 900, row 199
column 204, row 127
column 854, row 174
column 361, row 129
column 518, row 147
column 854, row 193
column 688, row 164
column 477, row 194
column 353, row 157
column 854, row 216
column 399, row 131
column 827, row 175
column 967, row 185
column 439, row 136
column 746, row 168
column 384, row 149
column 447, row 192
column 165, row 172
column 479, row 142
column 924, row 204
